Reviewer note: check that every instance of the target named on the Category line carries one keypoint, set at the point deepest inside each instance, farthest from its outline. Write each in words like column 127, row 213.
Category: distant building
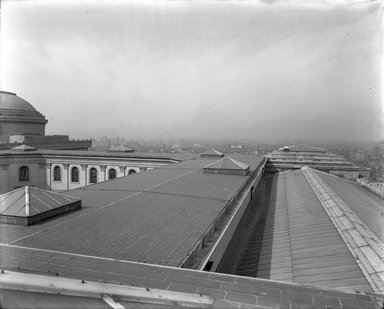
column 376, row 186
column 376, row 172
column 295, row 157
column 359, row 155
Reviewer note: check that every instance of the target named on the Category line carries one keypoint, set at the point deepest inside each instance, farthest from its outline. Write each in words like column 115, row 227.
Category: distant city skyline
column 262, row 70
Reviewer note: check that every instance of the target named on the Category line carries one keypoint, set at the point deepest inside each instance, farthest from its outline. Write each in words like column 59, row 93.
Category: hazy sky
column 209, row 69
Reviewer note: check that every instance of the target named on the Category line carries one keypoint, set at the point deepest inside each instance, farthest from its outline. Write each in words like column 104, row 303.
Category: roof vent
column 121, row 148
column 24, row 147
column 227, row 166
column 211, row 153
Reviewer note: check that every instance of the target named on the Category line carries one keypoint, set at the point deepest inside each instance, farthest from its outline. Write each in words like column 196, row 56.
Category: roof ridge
column 241, row 164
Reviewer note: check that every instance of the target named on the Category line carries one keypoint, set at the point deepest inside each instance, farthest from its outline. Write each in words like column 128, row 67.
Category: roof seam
column 186, row 195
column 99, row 209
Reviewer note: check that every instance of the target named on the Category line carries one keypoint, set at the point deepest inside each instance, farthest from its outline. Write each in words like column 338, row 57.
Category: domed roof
column 9, row 100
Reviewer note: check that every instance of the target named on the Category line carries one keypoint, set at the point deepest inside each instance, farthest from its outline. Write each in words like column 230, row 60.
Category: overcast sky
column 208, row 69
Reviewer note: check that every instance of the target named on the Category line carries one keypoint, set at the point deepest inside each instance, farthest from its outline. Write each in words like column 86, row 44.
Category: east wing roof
column 317, row 229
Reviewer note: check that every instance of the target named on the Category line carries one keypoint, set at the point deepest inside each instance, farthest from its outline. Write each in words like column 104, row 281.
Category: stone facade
column 41, row 168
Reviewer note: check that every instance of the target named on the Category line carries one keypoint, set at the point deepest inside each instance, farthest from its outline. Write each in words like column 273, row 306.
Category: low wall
column 230, row 218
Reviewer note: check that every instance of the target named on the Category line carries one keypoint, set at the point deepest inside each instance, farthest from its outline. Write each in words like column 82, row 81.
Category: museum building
column 28, row 157
column 209, row 231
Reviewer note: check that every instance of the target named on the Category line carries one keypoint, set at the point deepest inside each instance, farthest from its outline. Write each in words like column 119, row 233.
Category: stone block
column 234, row 287
column 273, row 303
column 299, row 297
column 241, row 298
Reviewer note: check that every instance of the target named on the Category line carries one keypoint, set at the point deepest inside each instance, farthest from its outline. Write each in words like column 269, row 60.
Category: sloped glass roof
column 212, row 152
column 17, row 202
column 228, row 163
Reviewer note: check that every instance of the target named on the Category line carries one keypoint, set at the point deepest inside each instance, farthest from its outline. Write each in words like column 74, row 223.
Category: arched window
column 24, row 173
column 93, row 175
column 131, row 172
column 75, row 174
column 57, row 173
column 112, row 173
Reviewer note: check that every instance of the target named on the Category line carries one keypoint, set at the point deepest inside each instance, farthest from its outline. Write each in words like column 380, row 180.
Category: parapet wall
column 216, row 239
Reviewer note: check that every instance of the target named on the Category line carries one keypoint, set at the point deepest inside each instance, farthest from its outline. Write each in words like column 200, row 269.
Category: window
column 112, row 173
column 92, row 175
column 24, row 173
column 57, row 174
column 75, row 174
column 131, row 172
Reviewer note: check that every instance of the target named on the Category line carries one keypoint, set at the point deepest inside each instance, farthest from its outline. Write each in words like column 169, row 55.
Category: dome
column 18, row 117
column 9, row 100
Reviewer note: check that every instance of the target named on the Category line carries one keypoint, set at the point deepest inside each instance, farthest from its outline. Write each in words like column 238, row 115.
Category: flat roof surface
column 156, row 216
column 300, row 243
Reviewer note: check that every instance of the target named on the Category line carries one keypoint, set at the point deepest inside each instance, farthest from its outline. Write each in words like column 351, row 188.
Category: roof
column 141, row 213
column 302, row 155
column 121, row 148
column 368, row 206
column 30, row 201
column 303, row 148
column 308, row 234
column 24, row 147
column 212, row 153
column 9, row 100
column 123, row 221
column 228, row 291
column 51, row 292
column 227, row 163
